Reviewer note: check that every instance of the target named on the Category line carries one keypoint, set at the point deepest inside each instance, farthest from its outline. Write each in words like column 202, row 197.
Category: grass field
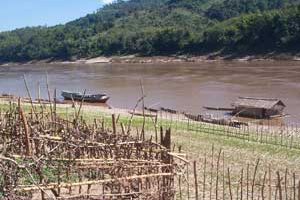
column 203, row 147
column 193, row 141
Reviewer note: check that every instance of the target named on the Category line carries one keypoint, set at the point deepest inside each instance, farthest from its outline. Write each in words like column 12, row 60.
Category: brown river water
column 180, row 86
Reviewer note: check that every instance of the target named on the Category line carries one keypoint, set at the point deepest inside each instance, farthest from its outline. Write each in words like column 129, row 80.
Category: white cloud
column 106, row 1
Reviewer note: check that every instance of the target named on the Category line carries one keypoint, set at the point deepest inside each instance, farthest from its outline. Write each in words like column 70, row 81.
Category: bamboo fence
column 43, row 156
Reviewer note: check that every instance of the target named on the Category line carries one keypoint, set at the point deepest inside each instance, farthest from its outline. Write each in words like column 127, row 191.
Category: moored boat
column 77, row 96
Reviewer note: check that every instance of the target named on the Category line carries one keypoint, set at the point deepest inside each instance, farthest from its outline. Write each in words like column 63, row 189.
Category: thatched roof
column 257, row 102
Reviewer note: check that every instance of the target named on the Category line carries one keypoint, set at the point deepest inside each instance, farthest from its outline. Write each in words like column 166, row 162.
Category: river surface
column 183, row 86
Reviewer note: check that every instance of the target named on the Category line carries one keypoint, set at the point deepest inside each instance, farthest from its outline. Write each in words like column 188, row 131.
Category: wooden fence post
column 211, row 172
column 263, row 186
column 279, row 185
column 285, row 184
column 242, row 176
column 253, row 181
column 217, row 181
column 270, row 182
column 114, row 123
column 223, row 176
column 247, row 182
column 204, row 176
column 299, row 190
column 180, row 187
column 196, row 180
column 294, row 186
column 26, row 129
column 229, row 183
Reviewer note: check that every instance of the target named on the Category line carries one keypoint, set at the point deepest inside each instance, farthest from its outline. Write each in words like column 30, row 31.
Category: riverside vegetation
column 222, row 167
column 163, row 27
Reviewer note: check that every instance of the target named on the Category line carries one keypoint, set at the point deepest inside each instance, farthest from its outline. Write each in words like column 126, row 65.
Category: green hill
column 277, row 30
column 162, row 27
column 232, row 8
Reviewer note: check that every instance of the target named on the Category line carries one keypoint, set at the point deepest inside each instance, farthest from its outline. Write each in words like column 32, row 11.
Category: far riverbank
column 162, row 59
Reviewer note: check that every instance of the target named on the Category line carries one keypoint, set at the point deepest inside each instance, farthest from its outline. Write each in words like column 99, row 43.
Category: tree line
column 161, row 27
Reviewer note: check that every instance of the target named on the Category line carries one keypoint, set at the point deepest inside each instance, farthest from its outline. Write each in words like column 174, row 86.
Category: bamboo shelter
column 258, row 107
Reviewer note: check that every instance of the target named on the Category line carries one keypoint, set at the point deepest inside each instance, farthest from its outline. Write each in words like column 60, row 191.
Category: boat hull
column 94, row 98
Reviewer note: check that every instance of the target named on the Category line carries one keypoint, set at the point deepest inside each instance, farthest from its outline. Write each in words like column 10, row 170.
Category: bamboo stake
column 294, row 186
column 132, row 115
column 117, row 120
column 196, row 180
column 143, row 104
column 123, row 128
column 89, row 185
column 247, row 181
column 263, row 186
column 114, row 123
column 188, row 181
column 102, row 125
column 59, row 179
column 299, row 190
column 180, row 187
column 270, row 182
column 253, row 181
column 211, row 173
column 41, row 180
column 79, row 110
column 29, row 95
column 26, row 130
column 223, row 176
column 68, row 175
column 279, row 186
column 285, row 184
column 49, row 96
column 217, row 181
column 80, row 180
column 54, row 109
column 229, row 183
column 156, row 131
column 204, row 176
column 237, row 191
column 242, row 175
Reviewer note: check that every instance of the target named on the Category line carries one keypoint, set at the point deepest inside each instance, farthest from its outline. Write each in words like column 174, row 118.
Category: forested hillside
column 232, row 8
column 277, row 30
column 162, row 27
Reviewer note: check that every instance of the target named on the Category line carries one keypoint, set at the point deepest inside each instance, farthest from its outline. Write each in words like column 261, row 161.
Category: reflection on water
column 184, row 86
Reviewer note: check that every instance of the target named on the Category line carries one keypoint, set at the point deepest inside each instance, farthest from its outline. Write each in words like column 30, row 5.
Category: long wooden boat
column 218, row 121
column 77, row 96
column 141, row 114
column 217, row 108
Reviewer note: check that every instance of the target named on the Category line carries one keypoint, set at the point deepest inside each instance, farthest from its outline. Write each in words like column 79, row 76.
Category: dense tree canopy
column 268, row 31
column 233, row 8
column 161, row 27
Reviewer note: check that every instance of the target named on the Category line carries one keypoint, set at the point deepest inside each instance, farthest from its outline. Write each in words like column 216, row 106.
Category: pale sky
column 21, row 13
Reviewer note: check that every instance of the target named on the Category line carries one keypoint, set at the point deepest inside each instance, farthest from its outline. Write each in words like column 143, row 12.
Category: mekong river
column 181, row 86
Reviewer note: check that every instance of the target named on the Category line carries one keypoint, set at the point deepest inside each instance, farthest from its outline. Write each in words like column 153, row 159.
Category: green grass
column 194, row 137
column 194, row 129
column 197, row 140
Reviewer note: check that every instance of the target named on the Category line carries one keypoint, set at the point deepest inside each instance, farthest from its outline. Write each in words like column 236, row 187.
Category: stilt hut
column 261, row 108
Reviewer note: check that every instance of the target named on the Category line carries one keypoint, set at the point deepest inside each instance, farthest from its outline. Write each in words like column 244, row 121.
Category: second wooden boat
column 77, row 96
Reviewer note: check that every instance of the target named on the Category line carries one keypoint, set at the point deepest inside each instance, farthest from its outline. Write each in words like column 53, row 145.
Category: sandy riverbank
column 162, row 59
column 93, row 108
